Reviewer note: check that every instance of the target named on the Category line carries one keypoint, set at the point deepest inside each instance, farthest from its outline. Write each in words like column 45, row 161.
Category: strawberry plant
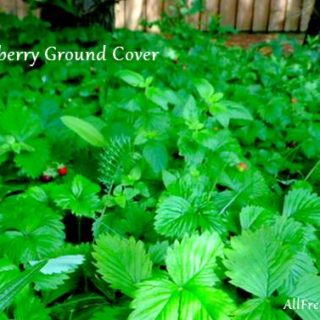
column 185, row 188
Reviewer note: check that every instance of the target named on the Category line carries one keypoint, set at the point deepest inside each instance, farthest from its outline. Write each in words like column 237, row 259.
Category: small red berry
column 63, row 170
column 242, row 167
column 46, row 178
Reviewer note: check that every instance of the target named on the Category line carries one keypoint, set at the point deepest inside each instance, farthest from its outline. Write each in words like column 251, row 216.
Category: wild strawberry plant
column 182, row 189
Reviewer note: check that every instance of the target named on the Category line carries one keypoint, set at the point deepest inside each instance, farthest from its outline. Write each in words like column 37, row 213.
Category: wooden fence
column 245, row 15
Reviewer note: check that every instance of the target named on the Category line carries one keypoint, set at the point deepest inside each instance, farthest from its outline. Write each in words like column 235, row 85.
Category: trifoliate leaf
column 122, row 262
column 177, row 216
column 80, row 196
column 189, row 294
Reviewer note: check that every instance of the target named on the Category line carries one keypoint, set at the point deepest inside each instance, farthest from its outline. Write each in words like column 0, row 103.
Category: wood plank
column 228, row 10
column 293, row 15
column 195, row 18
column 22, row 9
column 8, row 6
column 135, row 12
column 212, row 10
column 153, row 12
column 120, row 15
column 245, row 15
column 277, row 15
column 306, row 14
column 261, row 15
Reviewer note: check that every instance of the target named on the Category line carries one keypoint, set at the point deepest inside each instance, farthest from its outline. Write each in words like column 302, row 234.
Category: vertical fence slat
column 306, row 14
column 153, row 11
column 134, row 13
column 193, row 19
column 120, row 15
column 212, row 9
column 261, row 15
column 22, row 9
column 228, row 9
column 277, row 15
column 293, row 15
column 245, row 15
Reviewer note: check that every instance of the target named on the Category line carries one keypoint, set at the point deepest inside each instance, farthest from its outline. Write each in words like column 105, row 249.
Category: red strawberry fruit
column 62, row 170
column 45, row 178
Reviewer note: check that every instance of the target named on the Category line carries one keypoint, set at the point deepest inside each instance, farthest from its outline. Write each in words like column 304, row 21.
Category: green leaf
column 34, row 162
column 188, row 294
column 85, row 130
column 160, row 97
column 9, row 292
column 29, row 230
column 258, row 262
column 308, row 290
column 156, row 299
column 191, row 262
column 303, row 205
column 261, row 309
column 61, row 264
column 253, row 217
column 122, row 262
column 204, row 88
column 80, row 196
column 33, row 310
column 156, row 156
column 177, row 216
column 132, row 78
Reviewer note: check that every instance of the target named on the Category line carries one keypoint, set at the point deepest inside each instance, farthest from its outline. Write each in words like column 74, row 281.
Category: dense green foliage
column 185, row 188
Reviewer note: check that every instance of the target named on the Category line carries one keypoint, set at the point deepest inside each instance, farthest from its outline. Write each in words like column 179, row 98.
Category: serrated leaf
column 61, row 264
column 308, row 290
column 177, row 216
column 188, row 293
column 258, row 262
column 122, row 262
column 260, row 309
column 80, row 196
column 85, row 130
column 303, row 205
column 191, row 262
column 24, row 239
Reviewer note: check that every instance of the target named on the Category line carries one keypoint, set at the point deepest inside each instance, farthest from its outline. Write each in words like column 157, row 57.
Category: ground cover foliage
column 185, row 188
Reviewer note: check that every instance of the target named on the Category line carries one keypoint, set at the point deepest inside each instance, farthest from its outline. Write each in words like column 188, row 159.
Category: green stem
column 314, row 168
